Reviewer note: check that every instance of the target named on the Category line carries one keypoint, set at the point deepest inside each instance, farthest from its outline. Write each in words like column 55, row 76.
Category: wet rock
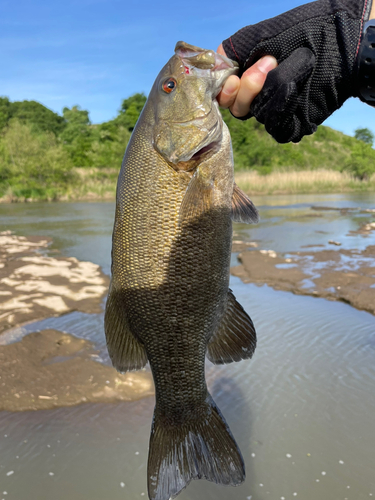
column 332, row 242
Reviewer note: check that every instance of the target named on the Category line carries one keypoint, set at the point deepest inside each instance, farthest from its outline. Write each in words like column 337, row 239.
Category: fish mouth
column 204, row 59
column 211, row 148
column 205, row 152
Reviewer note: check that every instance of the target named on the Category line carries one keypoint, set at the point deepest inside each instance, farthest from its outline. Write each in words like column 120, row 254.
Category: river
column 302, row 410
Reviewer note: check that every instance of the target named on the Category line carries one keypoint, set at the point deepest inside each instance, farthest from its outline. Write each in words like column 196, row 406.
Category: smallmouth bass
column 169, row 300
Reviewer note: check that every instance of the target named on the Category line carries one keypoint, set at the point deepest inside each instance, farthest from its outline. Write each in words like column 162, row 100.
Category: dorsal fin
column 243, row 209
column 235, row 338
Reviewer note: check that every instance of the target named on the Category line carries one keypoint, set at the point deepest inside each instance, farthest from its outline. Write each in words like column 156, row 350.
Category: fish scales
column 169, row 301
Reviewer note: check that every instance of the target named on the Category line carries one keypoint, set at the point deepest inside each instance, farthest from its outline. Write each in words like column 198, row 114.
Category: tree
column 5, row 111
column 31, row 164
column 130, row 110
column 364, row 135
column 361, row 161
column 77, row 135
column 107, row 150
column 33, row 113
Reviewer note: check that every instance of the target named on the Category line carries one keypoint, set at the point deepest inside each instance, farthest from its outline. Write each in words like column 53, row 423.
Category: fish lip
column 190, row 54
column 223, row 62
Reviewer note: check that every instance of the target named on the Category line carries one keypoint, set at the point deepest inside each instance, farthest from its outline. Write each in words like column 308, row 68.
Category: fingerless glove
column 316, row 46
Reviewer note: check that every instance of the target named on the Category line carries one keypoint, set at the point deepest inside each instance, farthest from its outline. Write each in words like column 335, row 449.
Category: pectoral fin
column 235, row 338
column 243, row 209
column 125, row 351
column 198, row 197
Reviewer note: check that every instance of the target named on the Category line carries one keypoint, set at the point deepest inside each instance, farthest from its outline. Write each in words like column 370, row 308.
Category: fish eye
column 169, row 85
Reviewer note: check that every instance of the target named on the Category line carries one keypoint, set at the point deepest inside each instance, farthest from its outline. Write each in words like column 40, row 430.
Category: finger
column 251, row 84
column 228, row 93
column 221, row 51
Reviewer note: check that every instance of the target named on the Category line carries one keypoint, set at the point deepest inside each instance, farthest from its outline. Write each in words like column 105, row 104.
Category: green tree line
column 42, row 151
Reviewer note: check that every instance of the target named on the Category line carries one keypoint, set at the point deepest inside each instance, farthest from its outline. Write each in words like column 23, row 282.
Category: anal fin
column 235, row 338
column 243, row 209
column 125, row 351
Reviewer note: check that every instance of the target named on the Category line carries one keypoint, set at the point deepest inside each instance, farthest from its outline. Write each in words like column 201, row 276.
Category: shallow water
column 302, row 410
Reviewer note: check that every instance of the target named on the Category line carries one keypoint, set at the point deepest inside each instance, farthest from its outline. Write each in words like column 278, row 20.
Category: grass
column 88, row 184
column 100, row 184
column 93, row 184
column 304, row 181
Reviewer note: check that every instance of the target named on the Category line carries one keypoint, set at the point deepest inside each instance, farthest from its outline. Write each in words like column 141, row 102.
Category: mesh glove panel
column 316, row 46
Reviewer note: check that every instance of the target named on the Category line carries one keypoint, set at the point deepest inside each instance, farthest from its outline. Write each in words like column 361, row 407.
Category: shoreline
column 321, row 181
column 50, row 368
column 301, row 273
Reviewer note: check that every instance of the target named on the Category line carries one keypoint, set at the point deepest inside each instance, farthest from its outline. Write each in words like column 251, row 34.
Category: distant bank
column 47, row 156
column 99, row 184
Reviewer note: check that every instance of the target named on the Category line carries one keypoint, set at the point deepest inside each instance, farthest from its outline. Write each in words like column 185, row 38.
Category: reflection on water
column 302, row 410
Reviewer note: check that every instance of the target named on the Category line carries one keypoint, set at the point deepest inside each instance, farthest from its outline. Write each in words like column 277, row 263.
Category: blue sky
column 97, row 52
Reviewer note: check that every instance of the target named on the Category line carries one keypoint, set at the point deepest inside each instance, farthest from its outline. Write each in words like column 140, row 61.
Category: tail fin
column 202, row 448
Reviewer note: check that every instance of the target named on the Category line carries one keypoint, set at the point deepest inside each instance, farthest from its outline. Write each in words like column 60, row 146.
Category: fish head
column 188, row 124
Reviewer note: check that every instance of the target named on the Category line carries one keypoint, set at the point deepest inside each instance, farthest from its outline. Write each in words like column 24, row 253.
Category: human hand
column 238, row 93
column 316, row 47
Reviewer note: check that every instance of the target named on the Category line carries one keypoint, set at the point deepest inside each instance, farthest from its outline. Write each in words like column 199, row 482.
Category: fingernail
column 267, row 63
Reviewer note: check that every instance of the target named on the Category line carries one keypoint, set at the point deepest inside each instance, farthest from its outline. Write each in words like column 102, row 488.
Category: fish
column 169, row 301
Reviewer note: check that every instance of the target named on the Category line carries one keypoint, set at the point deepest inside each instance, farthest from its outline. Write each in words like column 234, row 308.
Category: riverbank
column 94, row 184
column 302, row 182
column 344, row 275
column 51, row 368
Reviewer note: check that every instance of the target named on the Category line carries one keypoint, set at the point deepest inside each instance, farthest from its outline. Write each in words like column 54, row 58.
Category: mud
column 345, row 275
column 49, row 368
column 34, row 285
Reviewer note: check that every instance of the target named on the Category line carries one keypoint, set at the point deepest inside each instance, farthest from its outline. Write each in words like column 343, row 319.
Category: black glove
column 316, row 46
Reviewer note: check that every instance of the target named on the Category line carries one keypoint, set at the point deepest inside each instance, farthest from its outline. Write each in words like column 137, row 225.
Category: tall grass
column 100, row 184
column 93, row 184
column 305, row 181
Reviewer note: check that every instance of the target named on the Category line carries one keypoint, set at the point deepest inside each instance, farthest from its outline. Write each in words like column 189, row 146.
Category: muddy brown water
column 302, row 411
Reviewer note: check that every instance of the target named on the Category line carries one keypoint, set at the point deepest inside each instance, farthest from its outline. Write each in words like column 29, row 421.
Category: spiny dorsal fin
column 235, row 338
column 125, row 351
column 243, row 209
column 198, row 197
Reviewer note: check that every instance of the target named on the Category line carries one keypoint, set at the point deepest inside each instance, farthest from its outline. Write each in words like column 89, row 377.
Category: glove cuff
column 366, row 64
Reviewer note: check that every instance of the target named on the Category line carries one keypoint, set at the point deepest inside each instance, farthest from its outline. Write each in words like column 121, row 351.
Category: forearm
column 372, row 13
